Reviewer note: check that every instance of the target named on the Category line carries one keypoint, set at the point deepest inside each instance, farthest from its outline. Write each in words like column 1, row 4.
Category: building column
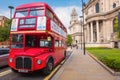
column 104, row 32
column 87, row 33
column 98, row 31
column 91, row 26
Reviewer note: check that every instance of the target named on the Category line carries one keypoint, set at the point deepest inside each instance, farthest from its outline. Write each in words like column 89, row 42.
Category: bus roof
column 34, row 4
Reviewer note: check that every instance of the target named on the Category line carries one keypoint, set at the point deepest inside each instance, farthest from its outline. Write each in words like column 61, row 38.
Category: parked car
column 4, row 53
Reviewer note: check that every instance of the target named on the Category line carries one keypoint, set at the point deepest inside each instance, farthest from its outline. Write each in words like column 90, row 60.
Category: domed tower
column 74, row 17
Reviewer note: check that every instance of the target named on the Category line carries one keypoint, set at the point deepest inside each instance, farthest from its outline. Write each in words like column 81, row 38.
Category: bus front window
column 30, row 21
column 21, row 13
column 17, row 41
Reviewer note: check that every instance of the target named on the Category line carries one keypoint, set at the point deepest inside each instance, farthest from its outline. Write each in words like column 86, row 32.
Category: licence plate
column 23, row 70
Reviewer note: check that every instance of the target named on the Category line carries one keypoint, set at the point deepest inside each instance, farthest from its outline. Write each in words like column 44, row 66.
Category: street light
column 83, row 28
column 10, row 7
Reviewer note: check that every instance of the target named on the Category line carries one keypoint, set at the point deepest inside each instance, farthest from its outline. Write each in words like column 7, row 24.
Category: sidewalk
column 82, row 67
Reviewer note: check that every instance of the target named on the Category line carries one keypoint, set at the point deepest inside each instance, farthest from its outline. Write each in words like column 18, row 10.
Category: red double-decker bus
column 38, row 39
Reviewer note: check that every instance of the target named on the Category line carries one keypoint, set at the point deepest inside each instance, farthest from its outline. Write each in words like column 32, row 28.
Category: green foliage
column 110, row 57
column 116, row 27
column 69, row 40
column 5, row 30
column 112, row 62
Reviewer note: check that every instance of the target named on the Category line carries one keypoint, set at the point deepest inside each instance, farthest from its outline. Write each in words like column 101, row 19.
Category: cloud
column 64, row 13
column 5, row 13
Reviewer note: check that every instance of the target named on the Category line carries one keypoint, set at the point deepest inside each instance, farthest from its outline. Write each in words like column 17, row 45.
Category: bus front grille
column 19, row 62
column 23, row 63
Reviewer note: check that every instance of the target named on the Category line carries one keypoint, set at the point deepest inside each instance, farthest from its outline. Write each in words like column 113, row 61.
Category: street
column 7, row 74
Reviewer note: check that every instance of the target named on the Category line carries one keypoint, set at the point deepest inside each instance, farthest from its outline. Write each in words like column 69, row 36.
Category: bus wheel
column 48, row 68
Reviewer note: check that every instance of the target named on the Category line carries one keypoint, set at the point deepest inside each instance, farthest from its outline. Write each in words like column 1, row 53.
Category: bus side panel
column 59, row 55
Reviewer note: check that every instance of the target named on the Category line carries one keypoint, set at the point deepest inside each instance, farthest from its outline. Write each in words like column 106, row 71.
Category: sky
column 62, row 8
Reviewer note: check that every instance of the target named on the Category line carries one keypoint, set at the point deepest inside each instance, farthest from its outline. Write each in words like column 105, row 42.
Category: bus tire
column 49, row 67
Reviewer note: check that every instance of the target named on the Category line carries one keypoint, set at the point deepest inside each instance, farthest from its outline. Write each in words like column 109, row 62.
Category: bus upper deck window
column 36, row 11
column 21, row 13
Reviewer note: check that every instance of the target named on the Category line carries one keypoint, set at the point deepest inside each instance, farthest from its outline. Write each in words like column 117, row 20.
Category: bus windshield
column 17, row 41
column 27, row 23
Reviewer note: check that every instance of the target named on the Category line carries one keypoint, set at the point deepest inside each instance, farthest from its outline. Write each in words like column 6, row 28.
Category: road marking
column 53, row 72
column 5, row 73
column 62, row 62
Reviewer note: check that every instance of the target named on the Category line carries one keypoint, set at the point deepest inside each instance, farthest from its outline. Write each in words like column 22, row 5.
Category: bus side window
column 42, row 43
column 60, row 43
column 49, row 14
column 56, row 43
column 45, row 43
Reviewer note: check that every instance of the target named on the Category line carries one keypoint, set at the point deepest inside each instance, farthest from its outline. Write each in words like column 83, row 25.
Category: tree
column 5, row 30
column 69, row 40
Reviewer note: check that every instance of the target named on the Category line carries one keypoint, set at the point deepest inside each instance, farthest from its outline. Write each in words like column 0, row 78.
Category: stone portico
column 99, row 26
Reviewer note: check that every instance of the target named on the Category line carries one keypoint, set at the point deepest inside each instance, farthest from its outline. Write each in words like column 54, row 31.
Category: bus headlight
column 39, row 61
column 11, row 60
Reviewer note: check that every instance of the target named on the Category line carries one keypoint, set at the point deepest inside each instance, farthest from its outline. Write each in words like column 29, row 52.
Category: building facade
column 75, row 28
column 99, row 23
column 2, row 20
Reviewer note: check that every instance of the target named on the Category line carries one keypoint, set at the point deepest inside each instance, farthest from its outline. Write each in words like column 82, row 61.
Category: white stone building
column 99, row 23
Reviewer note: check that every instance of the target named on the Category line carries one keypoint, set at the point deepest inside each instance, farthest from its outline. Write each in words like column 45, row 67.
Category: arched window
column 114, row 5
column 97, row 8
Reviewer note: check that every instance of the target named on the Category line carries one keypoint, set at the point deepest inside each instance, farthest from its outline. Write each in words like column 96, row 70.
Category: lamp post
column 10, row 7
column 83, row 29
